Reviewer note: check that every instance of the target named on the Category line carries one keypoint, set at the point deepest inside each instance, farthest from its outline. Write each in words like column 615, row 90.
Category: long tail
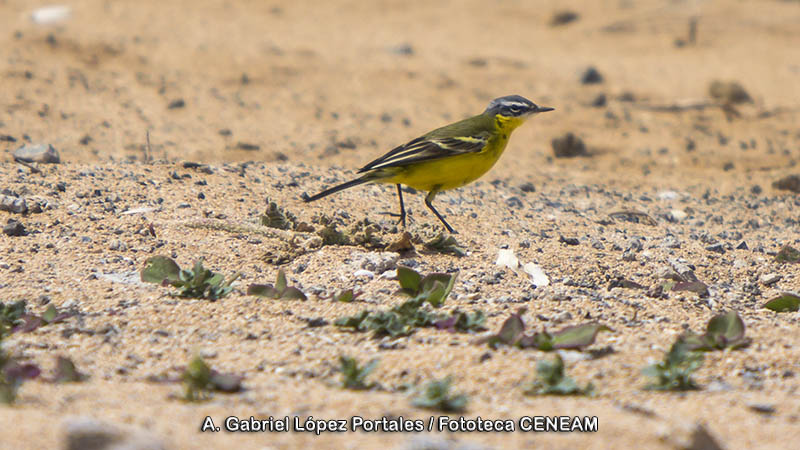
column 336, row 189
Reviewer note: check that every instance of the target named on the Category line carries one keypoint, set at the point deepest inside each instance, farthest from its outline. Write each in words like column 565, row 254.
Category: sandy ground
column 281, row 98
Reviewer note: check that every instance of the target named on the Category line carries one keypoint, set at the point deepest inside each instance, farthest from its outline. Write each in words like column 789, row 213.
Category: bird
column 448, row 157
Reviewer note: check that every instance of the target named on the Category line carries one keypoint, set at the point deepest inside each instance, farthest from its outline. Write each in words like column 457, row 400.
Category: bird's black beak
column 540, row 109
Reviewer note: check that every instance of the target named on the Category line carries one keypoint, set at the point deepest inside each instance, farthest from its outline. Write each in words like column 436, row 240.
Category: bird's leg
column 428, row 200
column 402, row 208
column 402, row 214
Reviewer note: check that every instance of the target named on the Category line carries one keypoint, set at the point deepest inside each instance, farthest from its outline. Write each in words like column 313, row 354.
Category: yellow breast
column 456, row 171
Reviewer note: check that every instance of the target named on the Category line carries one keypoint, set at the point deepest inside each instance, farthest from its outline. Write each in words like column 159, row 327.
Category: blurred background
column 340, row 82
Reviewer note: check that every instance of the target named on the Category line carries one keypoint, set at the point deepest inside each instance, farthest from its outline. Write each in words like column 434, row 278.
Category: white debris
column 506, row 258
column 139, row 210
column 668, row 195
column 389, row 275
column 677, row 215
column 364, row 273
column 49, row 15
column 770, row 279
column 538, row 277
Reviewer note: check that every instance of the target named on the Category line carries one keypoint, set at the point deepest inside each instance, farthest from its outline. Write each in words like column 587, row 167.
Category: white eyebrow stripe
column 510, row 104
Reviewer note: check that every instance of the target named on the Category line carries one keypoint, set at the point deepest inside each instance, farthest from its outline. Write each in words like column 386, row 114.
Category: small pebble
column 364, row 273
column 37, row 153
column 568, row 146
column 770, row 279
column 13, row 204
column 591, row 76
column 14, row 228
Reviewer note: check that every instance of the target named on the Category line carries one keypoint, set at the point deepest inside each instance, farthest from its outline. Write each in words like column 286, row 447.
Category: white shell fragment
column 49, row 15
column 538, row 277
column 506, row 258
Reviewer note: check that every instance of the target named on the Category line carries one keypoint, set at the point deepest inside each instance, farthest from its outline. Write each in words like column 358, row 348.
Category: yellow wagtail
column 447, row 157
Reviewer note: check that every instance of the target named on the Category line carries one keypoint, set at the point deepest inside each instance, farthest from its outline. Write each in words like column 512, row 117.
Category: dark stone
column 37, row 153
column 591, row 76
column 175, row 104
column 788, row 183
column 563, row 18
column 14, row 228
column 568, row 146
column 568, row 241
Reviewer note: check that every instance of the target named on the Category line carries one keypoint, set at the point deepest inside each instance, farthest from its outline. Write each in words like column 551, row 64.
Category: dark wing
column 427, row 148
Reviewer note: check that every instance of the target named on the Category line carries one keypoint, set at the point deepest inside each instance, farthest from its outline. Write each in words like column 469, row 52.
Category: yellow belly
column 447, row 173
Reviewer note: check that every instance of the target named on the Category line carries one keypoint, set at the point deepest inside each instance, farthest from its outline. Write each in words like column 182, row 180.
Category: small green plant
column 196, row 283
column 366, row 234
column 199, row 380
column 15, row 317
column 674, row 373
column 281, row 289
column 353, row 376
column 723, row 331
column 276, row 217
column 405, row 318
column 443, row 243
column 788, row 254
column 433, row 288
column 12, row 375
column 330, row 234
column 436, row 395
column 401, row 320
column 786, row 302
column 551, row 380
column 11, row 316
column 463, row 321
column 512, row 333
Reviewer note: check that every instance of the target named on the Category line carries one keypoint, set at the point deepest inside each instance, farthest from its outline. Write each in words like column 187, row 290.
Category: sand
column 280, row 98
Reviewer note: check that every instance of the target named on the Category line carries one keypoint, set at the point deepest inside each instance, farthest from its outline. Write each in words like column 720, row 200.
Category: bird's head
column 514, row 107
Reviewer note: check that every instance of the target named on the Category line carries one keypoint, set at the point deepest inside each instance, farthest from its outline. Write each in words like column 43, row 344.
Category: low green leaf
column 698, row 287
column 409, row 279
column 66, row 372
column 445, row 244
column 511, row 330
column 725, row 328
column 160, row 268
column 49, row 314
column 435, row 295
column 352, row 321
column 695, row 341
column 346, row 296
column 578, row 336
column 292, row 293
column 541, row 341
column 280, row 283
column 263, row 290
column 215, row 280
column 429, row 281
column 786, row 302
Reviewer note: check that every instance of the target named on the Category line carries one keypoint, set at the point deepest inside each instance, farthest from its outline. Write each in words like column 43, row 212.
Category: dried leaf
column 786, row 302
